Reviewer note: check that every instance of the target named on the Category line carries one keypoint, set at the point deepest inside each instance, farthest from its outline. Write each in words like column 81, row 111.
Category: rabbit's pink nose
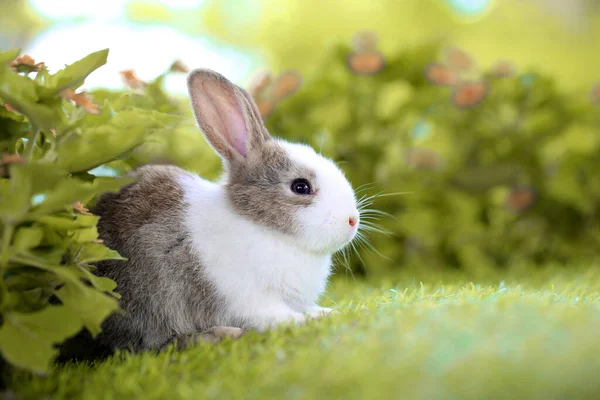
column 352, row 221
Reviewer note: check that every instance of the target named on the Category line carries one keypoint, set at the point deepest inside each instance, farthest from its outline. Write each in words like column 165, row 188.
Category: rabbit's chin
column 323, row 244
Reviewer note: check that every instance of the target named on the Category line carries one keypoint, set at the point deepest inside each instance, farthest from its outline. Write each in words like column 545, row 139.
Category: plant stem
column 31, row 144
column 7, row 233
column 6, row 237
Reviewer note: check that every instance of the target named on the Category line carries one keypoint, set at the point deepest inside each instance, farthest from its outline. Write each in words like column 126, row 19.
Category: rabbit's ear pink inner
column 219, row 114
column 226, row 114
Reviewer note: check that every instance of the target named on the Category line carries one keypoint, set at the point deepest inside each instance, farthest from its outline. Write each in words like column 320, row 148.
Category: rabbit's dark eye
column 301, row 186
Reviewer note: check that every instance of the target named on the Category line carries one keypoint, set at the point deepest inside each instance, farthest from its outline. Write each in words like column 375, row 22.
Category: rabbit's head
column 283, row 186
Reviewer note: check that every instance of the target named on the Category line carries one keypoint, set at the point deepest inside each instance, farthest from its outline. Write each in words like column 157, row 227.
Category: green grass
column 527, row 337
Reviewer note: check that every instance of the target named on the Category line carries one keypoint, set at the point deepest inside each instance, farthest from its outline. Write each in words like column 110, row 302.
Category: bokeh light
column 69, row 9
column 470, row 7
column 89, row 26
column 182, row 4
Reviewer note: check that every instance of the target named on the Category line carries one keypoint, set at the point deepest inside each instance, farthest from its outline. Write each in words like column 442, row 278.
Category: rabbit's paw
column 212, row 335
column 279, row 318
column 317, row 312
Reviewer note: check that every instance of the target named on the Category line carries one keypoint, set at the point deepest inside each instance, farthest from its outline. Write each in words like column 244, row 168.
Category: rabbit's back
column 162, row 286
column 155, row 194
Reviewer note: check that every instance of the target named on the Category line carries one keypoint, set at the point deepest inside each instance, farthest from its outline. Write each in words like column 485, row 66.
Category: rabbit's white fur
column 264, row 277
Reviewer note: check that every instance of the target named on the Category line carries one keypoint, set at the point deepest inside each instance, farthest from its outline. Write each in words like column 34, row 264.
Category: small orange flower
column 469, row 94
column 368, row 62
column 268, row 94
column 424, row 159
column 503, row 69
column 10, row 108
column 521, row 198
column 365, row 59
column 25, row 63
column 260, row 88
column 259, row 83
column 450, row 72
column 179, row 66
column 81, row 100
column 441, row 75
column 131, row 79
column 458, row 59
column 80, row 208
column 9, row 159
column 265, row 106
column 286, row 84
column 12, row 159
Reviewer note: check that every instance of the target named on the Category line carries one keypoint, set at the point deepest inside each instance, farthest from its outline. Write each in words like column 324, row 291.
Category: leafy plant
column 52, row 139
column 494, row 167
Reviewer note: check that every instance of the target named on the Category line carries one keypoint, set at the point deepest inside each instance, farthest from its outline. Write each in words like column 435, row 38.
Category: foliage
column 293, row 33
column 414, row 335
column 499, row 169
column 182, row 145
column 51, row 140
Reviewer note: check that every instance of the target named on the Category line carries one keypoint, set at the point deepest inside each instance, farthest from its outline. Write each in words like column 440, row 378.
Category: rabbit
column 207, row 259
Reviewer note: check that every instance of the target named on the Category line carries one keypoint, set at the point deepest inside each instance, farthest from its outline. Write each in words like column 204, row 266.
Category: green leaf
column 23, row 94
column 48, row 260
column 101, row 144
column 162, row 102
column 68, row 191
column 26, row 180
column 72, row 274
column 13, row 126
column 88, row 304
column 89, row 253
column 67, row 222
column 30, row 300
column 112, row 100
column 8, row 56
column 84, row 176
column 27, row 238
column 27, row 340
column 101, row 283
column 19, row 279
column 42, row 76
column 84, row 235
column 73, row 76
column 42, row 174
column 15, row 194
column 5, row 114
column 93, row 252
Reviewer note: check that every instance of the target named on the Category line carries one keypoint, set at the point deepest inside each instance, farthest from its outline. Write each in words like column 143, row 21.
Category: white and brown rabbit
column 249, row 252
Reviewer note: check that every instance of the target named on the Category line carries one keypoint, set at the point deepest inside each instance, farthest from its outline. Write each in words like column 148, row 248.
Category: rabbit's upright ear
column 226, row 114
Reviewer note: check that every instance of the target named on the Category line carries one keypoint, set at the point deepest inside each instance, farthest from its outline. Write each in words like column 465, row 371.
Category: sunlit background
column 237, row 37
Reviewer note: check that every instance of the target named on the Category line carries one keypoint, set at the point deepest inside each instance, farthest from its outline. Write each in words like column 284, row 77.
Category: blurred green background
column 510, row 181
